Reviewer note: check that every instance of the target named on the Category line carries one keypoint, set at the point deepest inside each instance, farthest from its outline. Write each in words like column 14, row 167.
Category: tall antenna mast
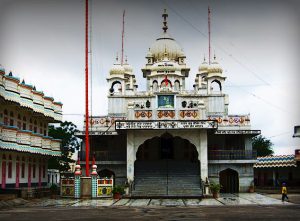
column 123, row 30
column 209, row 36
column 87, row 146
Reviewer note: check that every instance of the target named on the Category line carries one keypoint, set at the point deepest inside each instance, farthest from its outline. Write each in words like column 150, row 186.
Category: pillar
column 94, row 176
column 130, row 156
column 77, row 182
column 203, row 155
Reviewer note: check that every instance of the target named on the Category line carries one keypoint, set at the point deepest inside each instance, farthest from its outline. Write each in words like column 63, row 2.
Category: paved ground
column 227, row 207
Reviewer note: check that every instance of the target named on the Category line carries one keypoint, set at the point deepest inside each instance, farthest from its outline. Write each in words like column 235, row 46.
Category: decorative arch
column 214, row 82
column 112, row 88
column 155, row 85
column 163, row 83
column 167, row 146
column 229, row 180
column 106, row 173
column 176, row 85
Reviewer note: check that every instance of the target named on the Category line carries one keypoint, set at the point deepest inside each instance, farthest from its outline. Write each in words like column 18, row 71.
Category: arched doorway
column 167, row 166
column 229, row 179
column 106, row 173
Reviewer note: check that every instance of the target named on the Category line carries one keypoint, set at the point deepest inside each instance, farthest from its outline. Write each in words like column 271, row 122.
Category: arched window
column 155, row 85
column 24, row 123
column 177, row 85
column 35, row 127
column 5, row 119
column 19, row 123
column 30, row 124
column 11, row 119
column 216, row 86
column 116, row 87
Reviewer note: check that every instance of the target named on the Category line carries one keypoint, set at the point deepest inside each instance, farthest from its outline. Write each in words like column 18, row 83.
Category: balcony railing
column 105, row 156
column 24, row 140
column 231, row 154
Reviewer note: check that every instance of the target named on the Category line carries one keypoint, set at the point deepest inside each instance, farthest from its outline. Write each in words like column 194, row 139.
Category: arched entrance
column 229, row 179
column 167, row 166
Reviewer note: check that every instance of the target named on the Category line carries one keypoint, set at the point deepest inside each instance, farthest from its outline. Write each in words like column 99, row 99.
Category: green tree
column 262, row 145
column 70, row 143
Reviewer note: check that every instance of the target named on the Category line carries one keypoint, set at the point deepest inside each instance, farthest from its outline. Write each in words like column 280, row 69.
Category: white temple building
column 169, row 140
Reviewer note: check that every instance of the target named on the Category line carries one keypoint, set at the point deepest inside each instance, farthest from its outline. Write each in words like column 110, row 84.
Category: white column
column 203, row 155
column 130, row 156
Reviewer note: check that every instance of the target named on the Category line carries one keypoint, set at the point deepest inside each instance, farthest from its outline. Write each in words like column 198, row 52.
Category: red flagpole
column 209, row 35
column 87, row 145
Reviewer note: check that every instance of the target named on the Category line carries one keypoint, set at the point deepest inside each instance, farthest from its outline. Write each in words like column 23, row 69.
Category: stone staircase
column 166, row 178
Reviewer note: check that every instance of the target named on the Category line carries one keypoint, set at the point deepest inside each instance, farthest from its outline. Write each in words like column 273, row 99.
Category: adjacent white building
column 24, row 142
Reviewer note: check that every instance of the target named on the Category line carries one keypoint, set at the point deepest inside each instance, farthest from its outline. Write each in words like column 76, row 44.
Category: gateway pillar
column 203, row 155
column 130, row 156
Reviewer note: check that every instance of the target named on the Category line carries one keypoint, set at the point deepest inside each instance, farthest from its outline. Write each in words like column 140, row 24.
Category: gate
column 67, row 187
column 104, row 187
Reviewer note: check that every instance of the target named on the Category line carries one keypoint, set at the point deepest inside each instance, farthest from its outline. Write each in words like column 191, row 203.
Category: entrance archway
column 229, row 179
column 167, row 166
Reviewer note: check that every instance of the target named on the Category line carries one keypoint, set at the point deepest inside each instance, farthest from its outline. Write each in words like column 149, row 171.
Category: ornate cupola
column 130, row 81
column 165, row 69
column 116, row 79
column 214, row 78
column 200, row 80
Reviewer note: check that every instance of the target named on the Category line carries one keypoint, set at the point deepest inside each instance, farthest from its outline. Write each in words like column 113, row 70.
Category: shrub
column 118, row 189
column 215, row 187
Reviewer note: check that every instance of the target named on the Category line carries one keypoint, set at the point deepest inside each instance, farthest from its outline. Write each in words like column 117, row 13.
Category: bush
column 215, row 187
column 118, row 189
column 54, row 188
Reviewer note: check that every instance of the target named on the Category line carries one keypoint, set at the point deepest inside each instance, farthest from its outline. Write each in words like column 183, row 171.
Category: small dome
column 149, row 54
column 166, row 44
column 127, row 67
column 215, row 67
column 203, row 67
column 117, row 68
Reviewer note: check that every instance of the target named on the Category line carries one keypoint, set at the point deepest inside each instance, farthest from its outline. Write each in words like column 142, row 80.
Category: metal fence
column 231, row 154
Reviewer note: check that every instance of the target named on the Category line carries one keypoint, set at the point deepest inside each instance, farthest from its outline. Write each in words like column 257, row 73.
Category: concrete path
column 224, row 199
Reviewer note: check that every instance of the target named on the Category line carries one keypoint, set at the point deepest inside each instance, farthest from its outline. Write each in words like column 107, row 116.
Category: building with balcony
column 272, row 171
column 169, row 140
column 24, row 142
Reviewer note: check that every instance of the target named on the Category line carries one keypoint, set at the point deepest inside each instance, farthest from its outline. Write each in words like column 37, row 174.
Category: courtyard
column 228, row 207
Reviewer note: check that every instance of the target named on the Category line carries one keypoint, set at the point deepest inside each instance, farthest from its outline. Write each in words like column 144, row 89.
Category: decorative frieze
column 166, row 114
column 231, row 120
column 143, row 114
column 189, row 114
column 165, row 124
column 26, row 141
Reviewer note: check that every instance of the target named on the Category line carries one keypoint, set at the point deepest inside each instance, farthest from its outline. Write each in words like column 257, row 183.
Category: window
column 35, row 127
column 33, row 170
column 165, row 101
column 24, row 123
column 9, row 175
column 44, row 171
column 23, row 170
column 11, row 120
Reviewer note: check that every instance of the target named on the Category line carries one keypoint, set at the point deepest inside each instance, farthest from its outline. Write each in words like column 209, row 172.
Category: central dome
column 166, row 44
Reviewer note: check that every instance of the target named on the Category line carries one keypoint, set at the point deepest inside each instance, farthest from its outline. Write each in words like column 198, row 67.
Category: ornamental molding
column 165, row 124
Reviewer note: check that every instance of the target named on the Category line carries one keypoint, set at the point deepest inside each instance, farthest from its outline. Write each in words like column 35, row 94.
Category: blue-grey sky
column 256, row 42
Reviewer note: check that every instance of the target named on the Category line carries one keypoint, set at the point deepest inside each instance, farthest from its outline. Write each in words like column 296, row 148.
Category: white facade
column 200, row 115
